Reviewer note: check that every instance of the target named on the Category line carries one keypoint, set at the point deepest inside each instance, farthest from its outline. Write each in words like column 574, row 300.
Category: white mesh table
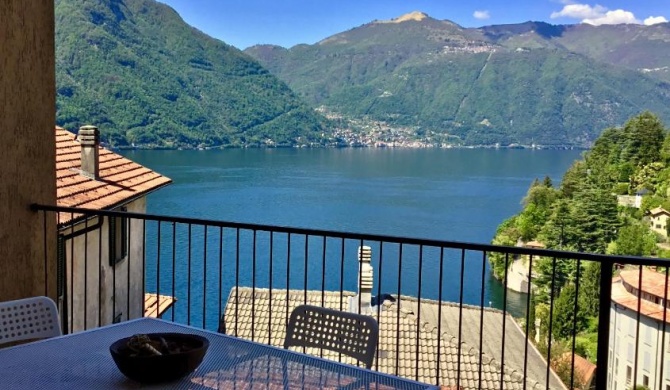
column 82, row 361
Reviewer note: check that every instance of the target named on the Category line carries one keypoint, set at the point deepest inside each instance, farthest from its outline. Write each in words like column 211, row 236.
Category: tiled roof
column 583, row 368
column 659, row 210
column 121, row 179
column 652, row 282
column 248, row 313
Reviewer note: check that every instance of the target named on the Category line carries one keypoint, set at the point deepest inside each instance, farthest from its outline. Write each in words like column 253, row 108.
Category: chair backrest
column 29, row 318
column 351, row 334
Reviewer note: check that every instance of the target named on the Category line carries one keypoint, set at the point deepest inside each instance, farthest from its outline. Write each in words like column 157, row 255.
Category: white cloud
column 580, row 11
column 655, row 20
column 618, row 16
column 597, row 14
column 481, row 15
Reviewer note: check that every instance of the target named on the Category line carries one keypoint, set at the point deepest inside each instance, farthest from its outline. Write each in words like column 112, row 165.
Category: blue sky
column 243, row 23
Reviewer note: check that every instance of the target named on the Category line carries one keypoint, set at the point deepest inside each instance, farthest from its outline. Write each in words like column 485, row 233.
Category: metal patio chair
column 28, row 319
column 351, row 334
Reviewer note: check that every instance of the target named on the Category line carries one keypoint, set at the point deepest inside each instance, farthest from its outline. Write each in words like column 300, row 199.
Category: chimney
column 89, row 138
column 365, row 278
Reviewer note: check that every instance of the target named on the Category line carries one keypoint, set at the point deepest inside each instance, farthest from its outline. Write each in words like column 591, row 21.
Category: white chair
column 28, row 319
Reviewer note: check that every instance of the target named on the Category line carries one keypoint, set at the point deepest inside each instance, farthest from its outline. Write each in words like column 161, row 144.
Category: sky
column 244, row 23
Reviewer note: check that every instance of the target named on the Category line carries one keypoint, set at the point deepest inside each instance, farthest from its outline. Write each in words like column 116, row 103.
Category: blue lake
column 444, row 194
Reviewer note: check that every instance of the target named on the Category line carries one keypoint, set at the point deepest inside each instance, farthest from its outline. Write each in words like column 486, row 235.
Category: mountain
column 633, row 46
column 530, row 83
column 136, row 70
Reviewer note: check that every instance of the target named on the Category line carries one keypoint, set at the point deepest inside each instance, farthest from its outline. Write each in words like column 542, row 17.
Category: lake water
column 445, row 194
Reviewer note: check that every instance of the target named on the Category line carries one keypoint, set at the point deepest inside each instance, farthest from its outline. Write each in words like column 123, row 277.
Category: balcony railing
column 445, row 320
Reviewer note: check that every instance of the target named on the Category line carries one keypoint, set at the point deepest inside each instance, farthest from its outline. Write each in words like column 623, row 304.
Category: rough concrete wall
column 95, row 285
column 27, row 148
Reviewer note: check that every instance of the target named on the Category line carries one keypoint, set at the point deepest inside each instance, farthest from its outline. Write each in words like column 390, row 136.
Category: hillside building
column 658, row 218
column 100, row 258
column 639, row 351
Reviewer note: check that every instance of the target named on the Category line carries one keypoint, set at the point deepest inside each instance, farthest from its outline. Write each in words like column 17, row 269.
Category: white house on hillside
column 658, row 217
column 653, row 338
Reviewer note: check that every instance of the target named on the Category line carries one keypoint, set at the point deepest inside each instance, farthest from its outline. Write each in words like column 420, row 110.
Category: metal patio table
column 82, row 361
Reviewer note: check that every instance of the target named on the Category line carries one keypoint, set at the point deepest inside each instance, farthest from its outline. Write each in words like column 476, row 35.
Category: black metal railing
column 450, row 323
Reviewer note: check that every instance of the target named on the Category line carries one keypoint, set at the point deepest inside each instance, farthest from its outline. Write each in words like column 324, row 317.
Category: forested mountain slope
column 136, row 70
column 515, row 84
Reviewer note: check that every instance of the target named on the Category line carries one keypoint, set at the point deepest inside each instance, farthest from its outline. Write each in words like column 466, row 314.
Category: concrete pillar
column 27, row 149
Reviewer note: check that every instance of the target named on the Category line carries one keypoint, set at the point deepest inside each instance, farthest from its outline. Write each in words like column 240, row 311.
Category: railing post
column 606, row 269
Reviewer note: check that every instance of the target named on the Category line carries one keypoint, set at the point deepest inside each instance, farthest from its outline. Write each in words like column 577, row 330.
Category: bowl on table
column 158, row 357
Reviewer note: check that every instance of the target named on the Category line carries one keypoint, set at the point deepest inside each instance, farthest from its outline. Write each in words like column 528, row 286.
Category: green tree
column 507, row 234
column 635, row 239
column 589, row 289
column 644, row 139
column 564, row 316
column 573, row 179
column 595, row 219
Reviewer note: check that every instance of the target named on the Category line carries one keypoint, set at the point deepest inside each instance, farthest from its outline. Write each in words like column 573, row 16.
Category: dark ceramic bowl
column 165, row 368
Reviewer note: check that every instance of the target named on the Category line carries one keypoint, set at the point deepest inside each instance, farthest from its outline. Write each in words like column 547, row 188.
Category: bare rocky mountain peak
column 415, row 16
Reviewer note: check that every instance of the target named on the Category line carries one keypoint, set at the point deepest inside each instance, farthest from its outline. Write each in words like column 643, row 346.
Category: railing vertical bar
column 100, row 298
column 379, row 292
column 253, row 286
column 574, row 324
column 221, row 317
column 174, row 263
column 665, row 319
column 204, row 281
column 109, row 226
column 188, row 278
column 397, row 325
column 481, row 319
column 359, row 277
column 440, row 280
column 158, row 269
column 530, row 294
column 72, row 275
column 128, row 261
column 323, row 272
column 270, row 286
column 288, row 273
column 552, row 296
column 144, row 263
column 418, row 320
column 305, row 270
column 606, row 267
column 323, row 279
column 85, row 292
column 637, row 327
column 237, row 278
column 341, row 300
column 504, row 324
column 342, row 274
column 46, row 254
column 460, row 322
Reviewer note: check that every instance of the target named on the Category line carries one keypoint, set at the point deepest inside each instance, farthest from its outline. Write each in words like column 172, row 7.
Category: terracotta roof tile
column 652, row 282
column 396, row 343
column 120, row 178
